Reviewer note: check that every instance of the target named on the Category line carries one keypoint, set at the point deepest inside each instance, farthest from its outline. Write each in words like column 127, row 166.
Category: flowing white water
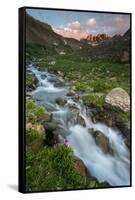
column 113, row 168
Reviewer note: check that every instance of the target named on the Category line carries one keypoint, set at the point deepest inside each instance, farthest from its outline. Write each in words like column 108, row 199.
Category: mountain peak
column 97, row 38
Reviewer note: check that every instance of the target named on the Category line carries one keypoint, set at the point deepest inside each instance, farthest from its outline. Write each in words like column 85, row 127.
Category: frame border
column 22, row 98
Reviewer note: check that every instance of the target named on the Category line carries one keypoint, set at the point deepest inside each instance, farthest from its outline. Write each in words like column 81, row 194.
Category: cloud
column 74, row 25
column 71, row 33
column 71, row 30
column 90, row 22
column 120, row 22
column 108, row 23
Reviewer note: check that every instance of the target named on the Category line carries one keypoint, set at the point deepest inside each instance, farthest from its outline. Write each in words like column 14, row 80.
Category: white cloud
column 74, row 25
column 90, row 22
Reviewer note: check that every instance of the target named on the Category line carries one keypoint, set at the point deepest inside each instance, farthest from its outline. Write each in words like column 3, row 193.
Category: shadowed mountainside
column 41, row 33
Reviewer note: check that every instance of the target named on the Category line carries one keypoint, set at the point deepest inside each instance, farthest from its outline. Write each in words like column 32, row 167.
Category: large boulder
column 118, row 99
column 102, row 141
column 59, row 131
column 50, row 126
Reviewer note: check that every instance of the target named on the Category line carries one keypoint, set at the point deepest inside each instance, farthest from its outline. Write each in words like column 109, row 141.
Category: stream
column 112, row 168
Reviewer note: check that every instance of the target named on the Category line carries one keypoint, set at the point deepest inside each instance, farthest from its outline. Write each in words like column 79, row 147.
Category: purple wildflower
column 66, row 143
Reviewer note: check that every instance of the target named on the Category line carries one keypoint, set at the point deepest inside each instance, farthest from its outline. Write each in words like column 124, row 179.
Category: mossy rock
column 31, row 81
column 33, row 111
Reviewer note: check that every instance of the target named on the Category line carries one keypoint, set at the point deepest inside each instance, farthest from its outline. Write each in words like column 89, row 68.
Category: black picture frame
column 22, row 95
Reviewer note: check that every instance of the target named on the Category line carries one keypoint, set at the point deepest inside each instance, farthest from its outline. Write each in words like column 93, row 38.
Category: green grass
column 103, row 76
column 121, row 116
column 53, row 169
column 94, row 100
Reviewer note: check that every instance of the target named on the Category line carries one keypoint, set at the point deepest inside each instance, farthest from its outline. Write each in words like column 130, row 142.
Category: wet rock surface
column 79, row 166
column 126, row 131
column 102, row 141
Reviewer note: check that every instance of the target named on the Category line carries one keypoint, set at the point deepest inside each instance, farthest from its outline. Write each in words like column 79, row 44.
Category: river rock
column 50, row 126
column 59, row 83
column 61, row 101
column 56, row 139
column 126, row 131
column 102, row 141
column 60, row 73
column 60, row 139
column 75, row 97
column 80, row 167
column 118, row 99
column 51, row 139
column 71, row 93
column 74, row 109
column 105, row 117
column 94, row 119
column 80, row 120
column 91, row 111
column 28, row 94
column 59, row 131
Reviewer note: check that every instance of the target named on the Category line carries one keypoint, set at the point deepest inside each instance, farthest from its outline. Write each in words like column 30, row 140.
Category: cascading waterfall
column 113, row 168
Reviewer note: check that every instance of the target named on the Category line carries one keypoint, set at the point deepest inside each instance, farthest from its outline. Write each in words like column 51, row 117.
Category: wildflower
column 66, row 143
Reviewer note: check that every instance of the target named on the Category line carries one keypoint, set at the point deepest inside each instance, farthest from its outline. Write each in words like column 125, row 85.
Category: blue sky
column 80, row 24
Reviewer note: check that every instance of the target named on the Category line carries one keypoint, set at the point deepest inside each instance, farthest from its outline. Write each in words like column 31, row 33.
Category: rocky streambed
column 99, row 148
